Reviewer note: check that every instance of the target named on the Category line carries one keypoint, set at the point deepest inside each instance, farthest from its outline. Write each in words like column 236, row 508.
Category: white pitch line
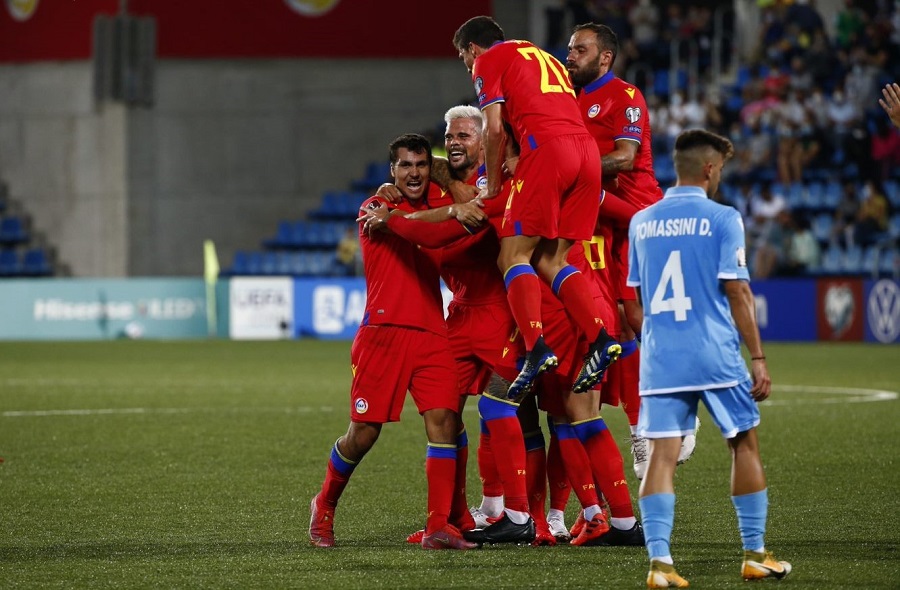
column 844, row 395
column 859, row 395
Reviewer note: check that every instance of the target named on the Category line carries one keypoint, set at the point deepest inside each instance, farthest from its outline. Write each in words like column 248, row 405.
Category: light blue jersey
column 680, row 249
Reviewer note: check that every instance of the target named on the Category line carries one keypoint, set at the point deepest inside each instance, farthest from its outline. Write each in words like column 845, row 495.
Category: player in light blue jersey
column 686, row 258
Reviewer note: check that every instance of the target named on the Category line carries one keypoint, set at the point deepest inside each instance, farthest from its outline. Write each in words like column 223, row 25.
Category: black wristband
column 757, row 358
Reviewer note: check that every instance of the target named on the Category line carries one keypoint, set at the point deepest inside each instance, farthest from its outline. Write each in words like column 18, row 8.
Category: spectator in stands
column 803, row 253
column 843, row 118
column 644, row 20
column 348, row 255
column 885, row 148
column 765, row 207
column 802, row 152
column 849, row 24
column 771, row 245
column 754, row 150
column 845, row 214
column 873, row 217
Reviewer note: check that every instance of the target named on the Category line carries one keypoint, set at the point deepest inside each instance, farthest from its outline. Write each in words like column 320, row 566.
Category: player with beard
column 617, row 117
column 401, row 346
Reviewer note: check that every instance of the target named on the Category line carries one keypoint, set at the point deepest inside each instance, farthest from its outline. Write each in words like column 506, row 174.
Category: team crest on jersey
column 361, row 405
column 481, row 182
column 594, row 111
column 479, row 84
column 741, row 258
column 633, row 114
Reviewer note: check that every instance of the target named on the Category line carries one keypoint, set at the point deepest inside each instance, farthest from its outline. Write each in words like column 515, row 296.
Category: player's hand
column 509, row 165
column 891, row 102
column 389, row 192
column 461, row 191
column 469, row 214
column 762, row 383
column 486, row 193
column 374, row 217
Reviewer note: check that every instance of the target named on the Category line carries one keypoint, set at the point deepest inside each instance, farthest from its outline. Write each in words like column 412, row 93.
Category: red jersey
column 613, row 109
column 469, row 265
column 534, row 87
column 402, row 282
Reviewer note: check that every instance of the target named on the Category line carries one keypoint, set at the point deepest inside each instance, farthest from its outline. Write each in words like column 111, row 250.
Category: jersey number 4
column 554, row 77
column 678, row 303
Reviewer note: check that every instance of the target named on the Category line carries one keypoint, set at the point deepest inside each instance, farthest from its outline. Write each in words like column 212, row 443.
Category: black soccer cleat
column 602, row 353
column 537, row 361
column 633, row 537
column 503, row 531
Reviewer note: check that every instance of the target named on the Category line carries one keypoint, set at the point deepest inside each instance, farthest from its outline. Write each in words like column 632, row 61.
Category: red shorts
column 477, row 336
column 555, row 191
column 569, row 345
column 621, row 382
column 388, row 361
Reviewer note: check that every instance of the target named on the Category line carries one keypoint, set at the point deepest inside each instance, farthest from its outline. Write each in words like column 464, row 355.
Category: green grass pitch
column 191, row 465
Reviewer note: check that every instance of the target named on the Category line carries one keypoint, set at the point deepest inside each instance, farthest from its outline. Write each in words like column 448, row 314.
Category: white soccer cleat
column 758, row 566
column 481, row 519
column 640, row 449
column 688, row 444
column 558, row 527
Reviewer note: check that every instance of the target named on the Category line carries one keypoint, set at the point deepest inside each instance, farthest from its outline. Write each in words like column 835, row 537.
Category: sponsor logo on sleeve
column 633, row 114
column 361, row 405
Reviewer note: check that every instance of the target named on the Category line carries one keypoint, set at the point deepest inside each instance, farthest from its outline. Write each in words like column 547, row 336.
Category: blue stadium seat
column 35, row 263
column 853, row 260
column 12, row 231
column 240, row 264
column 268, row 263
column 822, row 225
column 283, row 237
column 10, row 265
column 832, row 260
column 892, row 192
column 376, row 174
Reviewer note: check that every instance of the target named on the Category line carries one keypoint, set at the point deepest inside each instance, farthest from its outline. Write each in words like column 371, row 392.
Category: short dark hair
column 607, row 40
column 480, row 30
column 414, row 142
column 695, row 138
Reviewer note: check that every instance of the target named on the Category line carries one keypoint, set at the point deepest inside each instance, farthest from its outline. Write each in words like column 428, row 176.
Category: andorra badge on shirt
column 21, row 10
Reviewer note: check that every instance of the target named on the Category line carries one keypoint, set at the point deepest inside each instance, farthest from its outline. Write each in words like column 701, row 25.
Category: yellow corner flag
column 211, row 275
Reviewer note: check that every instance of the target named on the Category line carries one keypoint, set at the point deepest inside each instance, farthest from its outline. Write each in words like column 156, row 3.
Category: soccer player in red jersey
column 400, row 346
column 479, row 323
column 554, row 201
column 617, row 117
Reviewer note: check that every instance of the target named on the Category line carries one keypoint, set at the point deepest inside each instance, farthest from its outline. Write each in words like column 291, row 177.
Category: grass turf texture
column 195, row 466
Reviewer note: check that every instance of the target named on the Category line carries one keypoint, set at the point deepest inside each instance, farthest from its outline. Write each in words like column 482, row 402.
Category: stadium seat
column 822, row 225
column 35, row 263
column 376, row 174
column 853, row 260
column 12, row 231
column 283, row 237
column 832, row 260
column 892, row 191
column 9, row 262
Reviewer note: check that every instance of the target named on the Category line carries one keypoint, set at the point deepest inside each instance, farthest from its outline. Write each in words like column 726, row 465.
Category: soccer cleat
column 592, row 531
column 633, row 537
column 640, row 450
column 688, row 444
column 558, row 528
column 758, row 566
column 602, row 353
column 321, row 524
column 663, row 575
column 503, row 531
column 448, row 537
column 542, row 535
column 578, row 525
column 482, row 520
column 416, row 537
column 537, row 361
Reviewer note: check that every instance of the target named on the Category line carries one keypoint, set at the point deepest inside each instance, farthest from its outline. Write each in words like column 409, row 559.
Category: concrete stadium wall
column 228, row 149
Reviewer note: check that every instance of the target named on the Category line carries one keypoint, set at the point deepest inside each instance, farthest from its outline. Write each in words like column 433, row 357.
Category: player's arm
column 621, row 159
column 444, row 228
column 442, row 176
column 743, row 311
column 494, row 140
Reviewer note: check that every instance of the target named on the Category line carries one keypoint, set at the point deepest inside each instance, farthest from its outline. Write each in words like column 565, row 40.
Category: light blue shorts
column 666, row 415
